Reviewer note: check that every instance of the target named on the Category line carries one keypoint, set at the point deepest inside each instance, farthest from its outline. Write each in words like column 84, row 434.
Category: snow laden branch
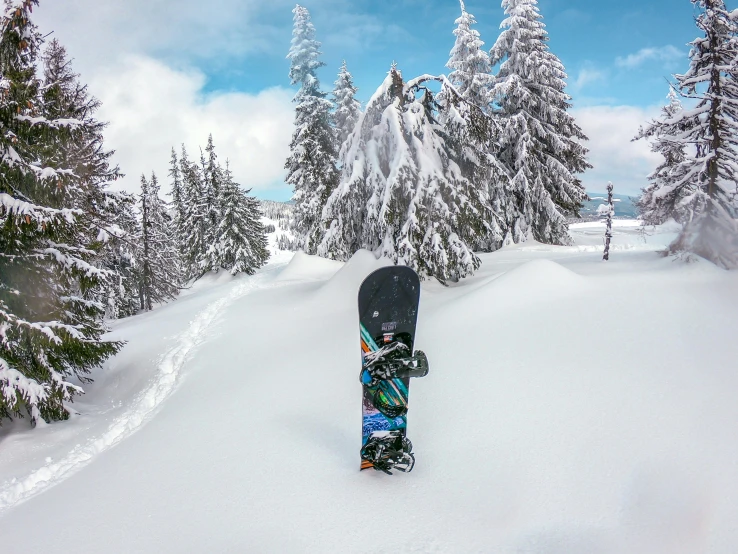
column 13, row 207
column 417, row 84
column 63, row 122
column 16, row 388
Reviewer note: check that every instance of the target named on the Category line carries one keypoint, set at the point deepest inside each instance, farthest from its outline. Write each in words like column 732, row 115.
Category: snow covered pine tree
column 699, row 190
column 192, row 216
column 311, row 168
column 348, row 108
column 469, row 63
column 471, row 128
column 660, row 200
column 402, row 194
column 540, row 144
column 157, row 259
column 49, row 329
column 239, row 243
column 107, row 216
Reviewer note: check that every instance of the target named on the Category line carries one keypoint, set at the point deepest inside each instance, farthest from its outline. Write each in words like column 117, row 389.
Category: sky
column 171, row 72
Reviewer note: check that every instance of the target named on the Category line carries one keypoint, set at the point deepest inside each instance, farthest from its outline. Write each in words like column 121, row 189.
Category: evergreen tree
column 348, row 109
column 106, row 215
column 239, row 239
column 472, row 129
column 212, row 178
column 192, row 232
column 121, row 294
column 157, row 257
column 700, row 189
column 469, row 63
column 311, row 168
column 540, row 142
column 402, row 195
column 81, row 147
column 661, row 200
column 177, row 192
column 212, row 175
column 49, row 330
column 469, row 135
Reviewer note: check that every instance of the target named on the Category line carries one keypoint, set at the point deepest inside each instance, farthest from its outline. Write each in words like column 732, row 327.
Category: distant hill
column 624, row 205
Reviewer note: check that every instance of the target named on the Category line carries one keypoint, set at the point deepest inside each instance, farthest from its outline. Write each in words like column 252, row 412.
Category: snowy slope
column 573, row 406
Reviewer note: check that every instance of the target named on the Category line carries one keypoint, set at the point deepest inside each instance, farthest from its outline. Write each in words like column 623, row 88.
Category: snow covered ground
column 573, row 406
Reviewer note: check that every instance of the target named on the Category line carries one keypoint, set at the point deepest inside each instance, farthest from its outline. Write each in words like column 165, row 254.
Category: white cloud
column 667, row 54
column 137, row 58
column 152, row 108
column 611, row 151
column 95, row 31
column 587, row 76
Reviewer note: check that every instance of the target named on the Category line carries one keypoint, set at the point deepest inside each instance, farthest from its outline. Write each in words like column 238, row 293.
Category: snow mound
column 535, row 282
column 209, row 280
column 304, row 267
column 343, row 287
column 536, row 276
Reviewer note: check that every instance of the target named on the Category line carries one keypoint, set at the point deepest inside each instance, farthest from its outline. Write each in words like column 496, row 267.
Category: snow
column 308, row 268
column 572, row 406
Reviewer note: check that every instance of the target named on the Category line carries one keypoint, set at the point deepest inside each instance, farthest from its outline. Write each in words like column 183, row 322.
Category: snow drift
column 572, row 406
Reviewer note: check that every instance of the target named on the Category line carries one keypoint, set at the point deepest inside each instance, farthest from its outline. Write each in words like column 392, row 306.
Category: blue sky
column 592, row 38
column 172, row 71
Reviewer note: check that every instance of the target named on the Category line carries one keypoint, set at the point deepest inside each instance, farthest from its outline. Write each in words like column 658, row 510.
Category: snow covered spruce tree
column 239, row 243
column 177, row 191
column 402, row 194
column 193, row 215
column 470, row 125
column 50, row 331
column 699, row 189
column 218, row 224
column 212, row 175
column 540, row 144
column 106, row 215
column 212, row 179
column 311, row 168
column 660, row 200
column 469, row 63
column 348, row 108
column 157, row 258
column 120, row 257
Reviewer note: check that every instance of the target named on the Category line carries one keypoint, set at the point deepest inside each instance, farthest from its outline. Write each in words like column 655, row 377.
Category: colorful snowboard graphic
column 388, row 310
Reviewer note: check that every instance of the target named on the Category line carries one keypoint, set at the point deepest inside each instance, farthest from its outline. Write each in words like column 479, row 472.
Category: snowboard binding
column 388, row 450
column 392, row 361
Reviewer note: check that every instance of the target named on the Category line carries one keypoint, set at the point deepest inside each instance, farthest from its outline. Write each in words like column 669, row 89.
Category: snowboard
column 388, row 311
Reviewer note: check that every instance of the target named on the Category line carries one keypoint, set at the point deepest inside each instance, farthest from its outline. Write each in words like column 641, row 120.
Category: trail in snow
column 168, row 371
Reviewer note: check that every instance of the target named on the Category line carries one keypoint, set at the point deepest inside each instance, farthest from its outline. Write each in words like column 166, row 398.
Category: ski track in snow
column 146, row 403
